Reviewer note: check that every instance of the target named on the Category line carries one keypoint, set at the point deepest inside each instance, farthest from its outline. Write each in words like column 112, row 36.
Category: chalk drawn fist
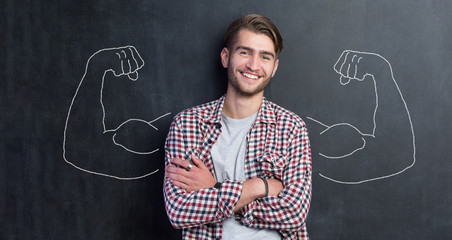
column 354, row 65
column 120, row 61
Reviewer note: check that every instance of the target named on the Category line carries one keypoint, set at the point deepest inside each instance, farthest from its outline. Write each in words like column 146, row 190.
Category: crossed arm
column 191, row 200
column 199, row 177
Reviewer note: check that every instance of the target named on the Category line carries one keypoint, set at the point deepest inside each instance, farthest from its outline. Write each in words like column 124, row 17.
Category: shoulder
column 284, row 116
column 200, row 112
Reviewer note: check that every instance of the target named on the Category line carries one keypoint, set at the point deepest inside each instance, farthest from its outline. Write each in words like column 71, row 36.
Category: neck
column 238, row 107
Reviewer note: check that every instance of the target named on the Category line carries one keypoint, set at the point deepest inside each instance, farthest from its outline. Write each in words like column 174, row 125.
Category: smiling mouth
column 250, row 76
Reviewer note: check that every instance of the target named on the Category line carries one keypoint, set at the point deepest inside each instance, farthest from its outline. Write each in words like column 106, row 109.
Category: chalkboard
column 81, row 153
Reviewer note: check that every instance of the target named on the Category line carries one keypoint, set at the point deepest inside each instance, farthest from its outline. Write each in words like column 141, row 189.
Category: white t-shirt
column 228, row 155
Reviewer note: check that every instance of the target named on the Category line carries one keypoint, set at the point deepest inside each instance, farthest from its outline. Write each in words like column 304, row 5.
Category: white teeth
column 250, row 76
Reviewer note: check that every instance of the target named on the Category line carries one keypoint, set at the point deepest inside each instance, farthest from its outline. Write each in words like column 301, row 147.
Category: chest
column 265, row 152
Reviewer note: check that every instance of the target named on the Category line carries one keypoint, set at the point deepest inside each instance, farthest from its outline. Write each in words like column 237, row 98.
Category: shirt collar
column 264, row 115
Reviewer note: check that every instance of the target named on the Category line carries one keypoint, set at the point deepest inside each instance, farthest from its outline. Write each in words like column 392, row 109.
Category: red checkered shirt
column 278, row 147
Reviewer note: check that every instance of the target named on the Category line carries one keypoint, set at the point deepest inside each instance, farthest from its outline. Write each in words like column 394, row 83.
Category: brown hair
column 258, row 24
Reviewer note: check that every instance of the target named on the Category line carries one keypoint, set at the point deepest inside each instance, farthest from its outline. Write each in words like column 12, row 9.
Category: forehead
column 255, row 41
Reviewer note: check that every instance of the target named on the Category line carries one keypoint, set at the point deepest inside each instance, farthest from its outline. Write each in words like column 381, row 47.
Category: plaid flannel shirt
column 278, row 147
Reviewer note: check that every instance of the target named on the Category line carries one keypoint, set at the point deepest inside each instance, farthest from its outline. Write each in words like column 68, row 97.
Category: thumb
column 133, row 75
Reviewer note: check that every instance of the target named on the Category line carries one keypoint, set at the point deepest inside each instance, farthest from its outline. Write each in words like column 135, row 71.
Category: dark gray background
column 44, row 49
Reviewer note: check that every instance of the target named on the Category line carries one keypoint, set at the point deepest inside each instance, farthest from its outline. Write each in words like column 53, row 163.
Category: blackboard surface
column 71, row 169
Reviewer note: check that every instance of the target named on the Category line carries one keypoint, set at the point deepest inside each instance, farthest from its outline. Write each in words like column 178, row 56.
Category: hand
column 354, row 65
column 121, row 61
column 196, row 178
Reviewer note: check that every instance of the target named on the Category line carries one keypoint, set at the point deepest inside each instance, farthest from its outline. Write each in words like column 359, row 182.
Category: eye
column 244, row 53
column 265, row 57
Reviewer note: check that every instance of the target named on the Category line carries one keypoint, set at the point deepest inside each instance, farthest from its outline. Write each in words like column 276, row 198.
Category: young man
column 240, row 167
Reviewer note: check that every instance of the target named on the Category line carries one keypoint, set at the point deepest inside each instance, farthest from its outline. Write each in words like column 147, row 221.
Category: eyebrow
column 252, row 50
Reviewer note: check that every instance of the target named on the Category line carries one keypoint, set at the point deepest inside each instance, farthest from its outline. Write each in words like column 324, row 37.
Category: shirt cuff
column 228, row 196
column 246, row 213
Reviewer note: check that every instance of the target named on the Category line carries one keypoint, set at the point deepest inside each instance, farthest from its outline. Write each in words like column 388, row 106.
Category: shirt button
column 209, row 141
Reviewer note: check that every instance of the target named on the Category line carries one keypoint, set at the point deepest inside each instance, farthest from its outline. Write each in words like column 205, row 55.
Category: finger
column 176, row 161
column 197, row 162
column 174, row 170
column 121, row 72
column 345, row 66
column 180, row 185
column 355, row 70
column 177, row 175
column 137, row 60
column 116, row 64
column 130, row 68
column 350, row 66
column 125, row 65
column 133, row 61
column 346, row 70
column 344, row 80
column 341, row 61
column 362, row 68
column 180, row 162
column 137, row 57
column 133, row 76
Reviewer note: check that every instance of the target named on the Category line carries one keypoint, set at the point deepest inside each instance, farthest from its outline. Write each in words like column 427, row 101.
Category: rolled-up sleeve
column 288, row 211
column 189, row 209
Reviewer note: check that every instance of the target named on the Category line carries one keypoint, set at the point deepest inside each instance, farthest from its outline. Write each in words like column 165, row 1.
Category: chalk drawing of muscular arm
column 374, row 152
column 87, row 138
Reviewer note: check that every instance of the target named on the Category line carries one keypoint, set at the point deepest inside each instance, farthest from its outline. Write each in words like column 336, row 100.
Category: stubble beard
column 234, row 82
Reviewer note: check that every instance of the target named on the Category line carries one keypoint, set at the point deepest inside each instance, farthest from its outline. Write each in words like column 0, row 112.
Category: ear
column 275, row 67
column 225, row 57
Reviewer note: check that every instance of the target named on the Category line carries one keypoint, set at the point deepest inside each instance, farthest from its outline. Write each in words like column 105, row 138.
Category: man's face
column 251, row 63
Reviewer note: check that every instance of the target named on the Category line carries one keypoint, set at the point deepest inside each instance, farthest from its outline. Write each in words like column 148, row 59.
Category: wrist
column 266, row 186
column 254, row 188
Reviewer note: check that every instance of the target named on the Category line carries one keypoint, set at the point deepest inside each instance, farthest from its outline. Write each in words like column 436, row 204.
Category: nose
column 253, row 63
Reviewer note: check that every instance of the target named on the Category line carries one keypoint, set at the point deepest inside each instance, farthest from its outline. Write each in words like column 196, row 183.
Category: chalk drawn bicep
column 88, row 144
